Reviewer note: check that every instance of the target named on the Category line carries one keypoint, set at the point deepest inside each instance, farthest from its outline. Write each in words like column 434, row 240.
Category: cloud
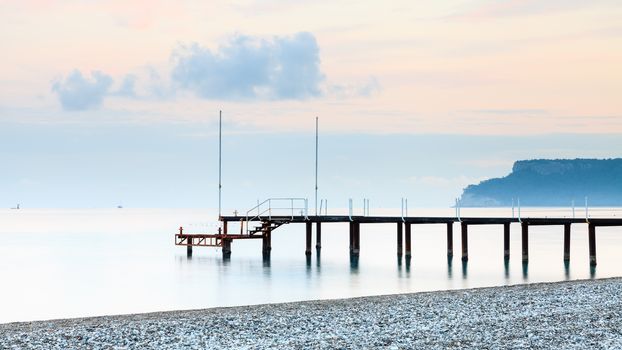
column 128, row 86
column 250, row 68
column 364, row 89
column 77, row 93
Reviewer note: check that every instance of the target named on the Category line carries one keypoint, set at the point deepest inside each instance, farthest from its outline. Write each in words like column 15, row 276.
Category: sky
column 108, row 102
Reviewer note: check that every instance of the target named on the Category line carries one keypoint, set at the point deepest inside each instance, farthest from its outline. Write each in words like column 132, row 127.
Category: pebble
column 569, row 315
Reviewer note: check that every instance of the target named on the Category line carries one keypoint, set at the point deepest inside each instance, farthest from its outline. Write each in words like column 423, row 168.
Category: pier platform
column 261, row 227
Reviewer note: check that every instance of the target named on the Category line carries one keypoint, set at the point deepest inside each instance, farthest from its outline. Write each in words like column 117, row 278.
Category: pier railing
column 278, row 207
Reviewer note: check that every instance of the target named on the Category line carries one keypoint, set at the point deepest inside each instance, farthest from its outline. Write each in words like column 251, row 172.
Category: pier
column 259, row 223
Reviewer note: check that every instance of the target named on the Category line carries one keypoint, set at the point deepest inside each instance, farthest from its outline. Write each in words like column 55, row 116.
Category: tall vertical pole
column 316, row 162
column 220, row 164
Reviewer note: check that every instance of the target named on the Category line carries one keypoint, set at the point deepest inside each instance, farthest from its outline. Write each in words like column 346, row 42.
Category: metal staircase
column 273, row 213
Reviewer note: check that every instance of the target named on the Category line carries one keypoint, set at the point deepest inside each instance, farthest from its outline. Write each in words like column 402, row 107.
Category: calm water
column 71, row 263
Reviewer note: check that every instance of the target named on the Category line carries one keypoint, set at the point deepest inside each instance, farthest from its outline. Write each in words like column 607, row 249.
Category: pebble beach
column 562, row 315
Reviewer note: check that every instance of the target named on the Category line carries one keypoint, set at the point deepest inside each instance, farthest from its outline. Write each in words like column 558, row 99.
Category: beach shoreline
column 569, row 314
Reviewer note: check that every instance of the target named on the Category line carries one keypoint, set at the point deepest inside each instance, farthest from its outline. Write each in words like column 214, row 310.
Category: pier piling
column 399, row 239
column 592, row 243
column 226, row 248
column 525, row 241
column 266, row 243
column 465, row 241
column 356, row 239
column 506, row 240
column 308, row 240
column 318, row 236
column 189, row 248
column 407, row 236
column 450, row 239
column 351, row 237
column 566, row 242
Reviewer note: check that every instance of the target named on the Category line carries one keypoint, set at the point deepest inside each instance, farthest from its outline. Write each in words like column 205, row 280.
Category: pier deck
column 261, row 227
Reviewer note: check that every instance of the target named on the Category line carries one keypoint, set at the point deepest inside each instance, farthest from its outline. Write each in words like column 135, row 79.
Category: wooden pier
column 261, row 227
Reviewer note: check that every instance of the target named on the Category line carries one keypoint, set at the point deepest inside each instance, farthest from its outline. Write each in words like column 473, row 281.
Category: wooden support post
column 592, row 243
column 226, row 248
column 224, row 227
column 308, row 234
column 399, row 239
column 318, row 235
column 450, row 239
column 465, row 241
column 525, row 241
column 407, row 236
column 189, row 247
column 351, row 237
column 566, row 242
column 266, row 242
column 357, row 239
column 506, row 240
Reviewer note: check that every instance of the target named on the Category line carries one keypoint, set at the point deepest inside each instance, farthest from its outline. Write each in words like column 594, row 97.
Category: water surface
column 86, row 262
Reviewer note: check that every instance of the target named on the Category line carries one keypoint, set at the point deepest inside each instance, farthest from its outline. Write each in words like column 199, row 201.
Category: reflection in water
column 267, row 269
column 42, row 256
column 592, row 271
column 567, row 269
column 318, row 257
column 525, row 269
column 354, row 263
column 506, row 267
column 266, row 261
column 450, row 258
column 464, row 268
column 407, row 260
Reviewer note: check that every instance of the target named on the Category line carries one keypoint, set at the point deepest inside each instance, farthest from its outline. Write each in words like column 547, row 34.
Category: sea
column 66, row 263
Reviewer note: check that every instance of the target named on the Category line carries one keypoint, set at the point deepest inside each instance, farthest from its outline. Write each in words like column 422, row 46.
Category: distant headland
column 551, row 182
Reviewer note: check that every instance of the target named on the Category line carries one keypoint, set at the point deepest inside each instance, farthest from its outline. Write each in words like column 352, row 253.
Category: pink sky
column 466, row 67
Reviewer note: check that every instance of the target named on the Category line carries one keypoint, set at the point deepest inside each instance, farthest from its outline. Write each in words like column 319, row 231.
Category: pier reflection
column 318, row 259
column 450, row 259
column 266, row 261
column 592, row 271
column 567, row 269
column 506, row 267
column 465, row 264
column 354, row 264
column 525, row 270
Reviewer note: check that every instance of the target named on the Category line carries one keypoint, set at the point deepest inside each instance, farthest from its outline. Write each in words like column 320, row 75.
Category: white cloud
column 77, row 93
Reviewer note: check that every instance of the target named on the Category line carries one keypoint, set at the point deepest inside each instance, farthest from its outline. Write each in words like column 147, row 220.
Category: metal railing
column 277, row 207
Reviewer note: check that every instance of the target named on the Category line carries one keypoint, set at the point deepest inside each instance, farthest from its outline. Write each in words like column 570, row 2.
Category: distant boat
column 17, row 207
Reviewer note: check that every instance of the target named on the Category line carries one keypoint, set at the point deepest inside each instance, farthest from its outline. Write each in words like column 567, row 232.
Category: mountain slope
column 551, row 182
